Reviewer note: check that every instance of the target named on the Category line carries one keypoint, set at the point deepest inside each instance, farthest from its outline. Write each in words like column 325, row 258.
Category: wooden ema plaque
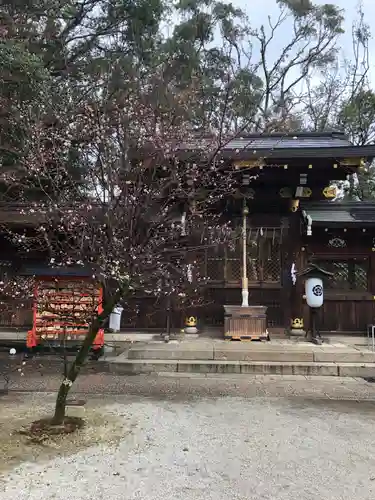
column 63, row 308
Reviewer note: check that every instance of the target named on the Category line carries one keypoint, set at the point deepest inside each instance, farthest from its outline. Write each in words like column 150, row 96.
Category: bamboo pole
column 245, row 286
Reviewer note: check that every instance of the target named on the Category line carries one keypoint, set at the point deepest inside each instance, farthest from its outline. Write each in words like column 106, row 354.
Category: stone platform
column 284, row 357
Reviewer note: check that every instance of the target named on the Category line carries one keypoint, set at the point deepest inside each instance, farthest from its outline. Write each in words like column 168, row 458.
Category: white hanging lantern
column 115, row 319
column 314, row 292
column 293, row 273
column 183, row 224
column 189, row 273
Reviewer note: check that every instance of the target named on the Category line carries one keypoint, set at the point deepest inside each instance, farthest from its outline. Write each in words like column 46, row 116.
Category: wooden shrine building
column 289, row 184
column 295, row 218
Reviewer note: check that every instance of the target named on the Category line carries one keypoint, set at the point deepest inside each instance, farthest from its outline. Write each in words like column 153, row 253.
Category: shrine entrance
column 221, row 269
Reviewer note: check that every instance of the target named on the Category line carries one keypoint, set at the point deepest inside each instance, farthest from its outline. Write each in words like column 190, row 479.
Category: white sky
column 259, row 10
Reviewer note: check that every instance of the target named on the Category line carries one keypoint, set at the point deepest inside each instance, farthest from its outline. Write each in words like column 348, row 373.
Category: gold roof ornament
column 351, row 162
column 303, row 192
column 330, row 192
column 258, row 163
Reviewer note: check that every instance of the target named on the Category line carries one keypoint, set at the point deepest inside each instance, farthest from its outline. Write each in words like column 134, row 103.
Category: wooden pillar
column 372, row 272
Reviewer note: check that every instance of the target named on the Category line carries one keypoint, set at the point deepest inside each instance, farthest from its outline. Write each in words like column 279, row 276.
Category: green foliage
column 357, row 117
column 73, row 52
column 21, row 72
column 22, row 81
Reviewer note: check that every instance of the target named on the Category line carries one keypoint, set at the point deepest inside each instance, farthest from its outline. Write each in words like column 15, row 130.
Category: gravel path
column 222, row 449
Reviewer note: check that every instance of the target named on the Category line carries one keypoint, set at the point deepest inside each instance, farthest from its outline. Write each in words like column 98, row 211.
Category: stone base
column 245, row 323
column 191, row 329
column 317, row 340
column 297, row 332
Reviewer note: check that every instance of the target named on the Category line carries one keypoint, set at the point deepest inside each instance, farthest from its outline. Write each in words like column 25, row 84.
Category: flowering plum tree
column 146, row 181
column 110, row 161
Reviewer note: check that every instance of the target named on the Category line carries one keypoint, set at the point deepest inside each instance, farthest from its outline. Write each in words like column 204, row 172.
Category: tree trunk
column 58, row 417
column 82, row 354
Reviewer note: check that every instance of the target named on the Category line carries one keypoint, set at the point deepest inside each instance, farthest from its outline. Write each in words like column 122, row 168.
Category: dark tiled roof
column 46, row 271
column 341, row 213
column 291, row 141
column 296, row 145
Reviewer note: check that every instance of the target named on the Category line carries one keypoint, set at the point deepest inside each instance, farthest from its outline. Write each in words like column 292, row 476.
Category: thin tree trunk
column 64, row 354
column 82, row 354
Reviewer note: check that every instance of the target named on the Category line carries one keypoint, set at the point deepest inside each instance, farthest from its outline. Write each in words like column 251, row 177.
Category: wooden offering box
column 245, row 323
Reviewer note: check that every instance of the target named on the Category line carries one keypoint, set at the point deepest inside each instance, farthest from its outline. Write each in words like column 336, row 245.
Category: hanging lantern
column 314, row 292
column 314, row 276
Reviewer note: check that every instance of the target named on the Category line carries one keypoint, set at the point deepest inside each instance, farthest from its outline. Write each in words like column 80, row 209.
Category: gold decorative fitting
column 192, row 321
column 294, row 204
column 351, row 162
column 330, row 192
column 297, row 323
column 306, row 192
column 249, row 164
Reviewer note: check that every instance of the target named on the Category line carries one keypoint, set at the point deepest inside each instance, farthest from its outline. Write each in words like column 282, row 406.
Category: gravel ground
column 316, row 444
column 181, row 387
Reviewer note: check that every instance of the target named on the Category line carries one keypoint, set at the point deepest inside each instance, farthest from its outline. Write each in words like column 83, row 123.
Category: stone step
column 134, row 367
column 271, row 354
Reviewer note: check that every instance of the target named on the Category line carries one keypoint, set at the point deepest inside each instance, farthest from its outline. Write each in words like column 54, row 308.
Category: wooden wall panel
column 345, row 315
column 17, row 316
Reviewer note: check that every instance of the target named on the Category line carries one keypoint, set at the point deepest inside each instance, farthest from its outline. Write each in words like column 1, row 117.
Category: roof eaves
column 339, row 217
column 327, row 152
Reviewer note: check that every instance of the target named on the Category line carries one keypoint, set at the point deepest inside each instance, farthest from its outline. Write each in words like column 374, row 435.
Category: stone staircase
column 280, row 357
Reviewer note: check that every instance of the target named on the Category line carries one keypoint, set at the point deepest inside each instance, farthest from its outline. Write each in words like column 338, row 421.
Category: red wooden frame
column 33, row 339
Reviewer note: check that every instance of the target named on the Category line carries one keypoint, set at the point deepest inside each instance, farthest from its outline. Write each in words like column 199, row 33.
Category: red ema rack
column 63, row 307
